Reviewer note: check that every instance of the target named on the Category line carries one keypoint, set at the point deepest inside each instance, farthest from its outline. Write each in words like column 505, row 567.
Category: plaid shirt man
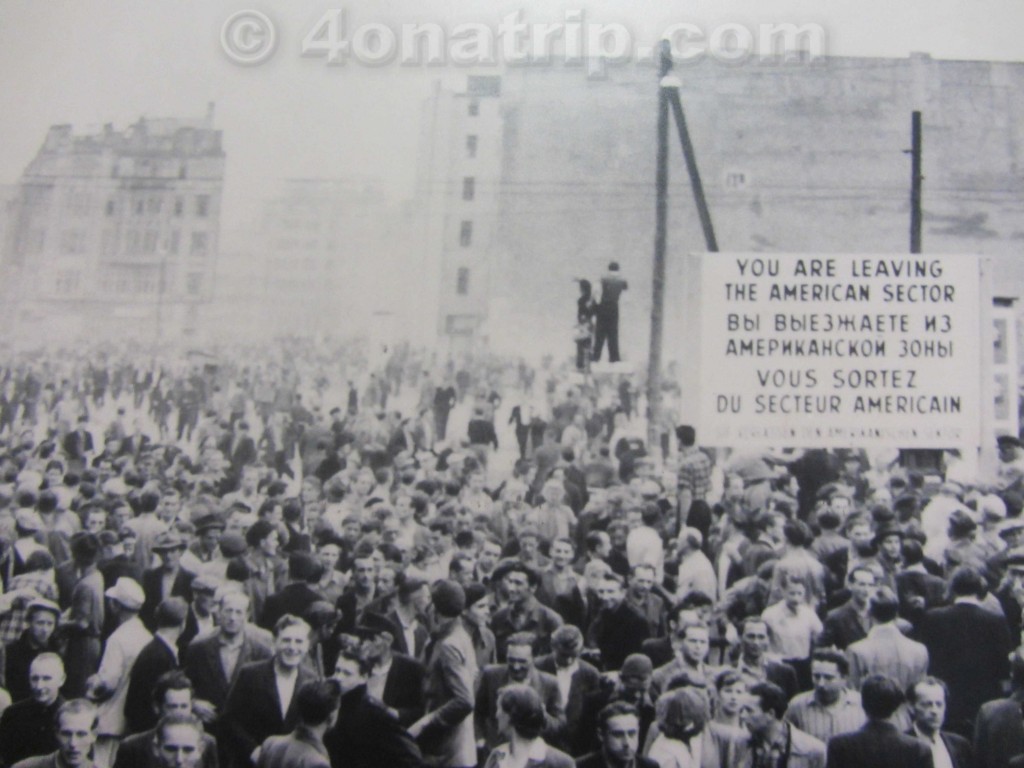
column 15, row 622
column 695, row 473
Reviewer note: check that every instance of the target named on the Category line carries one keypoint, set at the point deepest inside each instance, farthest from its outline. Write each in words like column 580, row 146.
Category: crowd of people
column 292, row 557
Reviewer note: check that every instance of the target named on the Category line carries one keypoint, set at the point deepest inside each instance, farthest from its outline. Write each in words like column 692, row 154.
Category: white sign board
column 839, row 350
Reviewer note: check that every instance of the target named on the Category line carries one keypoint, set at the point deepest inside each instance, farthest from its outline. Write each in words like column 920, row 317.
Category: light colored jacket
column 123, row 648
column 449, row 689
column 299, row 749
column 886, row 651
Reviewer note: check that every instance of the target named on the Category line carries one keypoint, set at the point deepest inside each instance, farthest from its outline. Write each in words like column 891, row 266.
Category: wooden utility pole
column 691, row 166
column 915, row 182
column 667, row 83
column 668, row 98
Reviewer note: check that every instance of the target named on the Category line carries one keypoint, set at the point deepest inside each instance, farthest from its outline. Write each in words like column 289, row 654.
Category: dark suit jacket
column 155, row 659
column 495, row 677
column 244, row 454
column 968, row 648
column 152, row 585
column 958, row 747
column 585, row 681
column 204, row 668
column 842, row 627
column 878, row 745
column 658, row 650
column 26, row 729
column 403, row 689
column 367, row 736
column 911, row 584
column 137, row 752
column 999, row 732
column 76, row 444
column 252, row 711
column 294, row 599
column 596, row 760
column 17, row 658
column 783, row 675
column 391, row 623
column 617, row 634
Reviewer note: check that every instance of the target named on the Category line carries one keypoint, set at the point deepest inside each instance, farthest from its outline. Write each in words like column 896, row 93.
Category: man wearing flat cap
column 37, row 637
column 523, row 612
column 168, row 579
column 445, row 732
column 109, row 686
column 203, row 550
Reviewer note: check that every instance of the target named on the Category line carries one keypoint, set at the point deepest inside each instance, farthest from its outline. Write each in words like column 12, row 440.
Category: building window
column 110, row 208
column 468, row 188
column 132, row 244
column 194, row 284
column 462, row 281
column 72, row 241
column 183, row 171
column 199, row 242
column 466, row 234
column 471, row 142
column 179, row 207
column 111, row 241
column 140, row 207
column 67, row 282
column 203, row 206
column 149, row 242
column 153, row 205
column 174, row 241
column 474, row 107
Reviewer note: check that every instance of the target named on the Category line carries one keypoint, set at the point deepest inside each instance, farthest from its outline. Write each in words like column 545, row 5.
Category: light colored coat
column 299, row 749
column 886, row 651
column 450, row 682
column 123, row 648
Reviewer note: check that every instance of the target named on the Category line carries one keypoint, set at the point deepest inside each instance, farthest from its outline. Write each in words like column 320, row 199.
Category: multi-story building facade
column 330, row 254
column 807, row 157
column 458, row 204
column 115, row 234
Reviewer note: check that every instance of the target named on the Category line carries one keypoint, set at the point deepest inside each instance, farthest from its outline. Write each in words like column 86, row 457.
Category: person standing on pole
column 607, row 313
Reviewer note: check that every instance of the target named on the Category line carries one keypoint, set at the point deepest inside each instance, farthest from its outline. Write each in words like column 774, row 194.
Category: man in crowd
column 317, row 706
column 171, row 695
column 75, row 725
column 158, row 657
column 26, row 727
column 523, row 613
column 518, row 669
column 261, row 702
column 213, row 662
column 365, row 734
column 577, row 680
column 927, row 700
column 831, row 708
column 879, row 743
column 773, row 739
column 617, row 630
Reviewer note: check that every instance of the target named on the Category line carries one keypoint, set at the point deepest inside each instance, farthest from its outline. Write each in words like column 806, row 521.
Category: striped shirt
column 845, row 716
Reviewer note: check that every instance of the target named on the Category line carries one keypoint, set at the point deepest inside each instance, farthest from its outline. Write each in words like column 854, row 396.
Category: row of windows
column 123, row 284
column 137, row 242
column 152, row 206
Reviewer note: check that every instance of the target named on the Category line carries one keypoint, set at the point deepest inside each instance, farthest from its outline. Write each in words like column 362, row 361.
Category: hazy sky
column 90, row 62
